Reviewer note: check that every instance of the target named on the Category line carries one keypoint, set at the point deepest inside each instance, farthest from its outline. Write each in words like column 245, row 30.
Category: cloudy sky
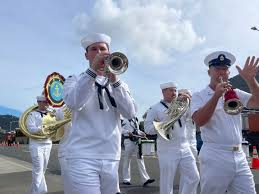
column 164, row 40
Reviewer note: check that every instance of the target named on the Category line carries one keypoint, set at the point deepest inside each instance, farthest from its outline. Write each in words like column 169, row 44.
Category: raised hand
column 248, row 73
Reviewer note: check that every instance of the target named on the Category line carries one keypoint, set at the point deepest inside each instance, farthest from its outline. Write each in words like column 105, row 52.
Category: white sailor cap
column 185, row 91
column 168, row 85
column 41, row 98
column 95, row 37
column 220, row 58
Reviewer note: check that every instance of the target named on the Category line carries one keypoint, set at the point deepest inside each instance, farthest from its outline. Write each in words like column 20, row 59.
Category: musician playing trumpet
column 173, row 152
column 97, row 98
column 223, row 164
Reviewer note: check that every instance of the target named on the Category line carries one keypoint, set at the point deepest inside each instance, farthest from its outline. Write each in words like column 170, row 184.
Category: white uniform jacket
column 178, row 133
column 222, row 128
column 33, row 123
column 96, row 132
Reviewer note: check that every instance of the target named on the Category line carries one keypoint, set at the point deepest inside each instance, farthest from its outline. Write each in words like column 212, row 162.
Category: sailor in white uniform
column 223, row 164
column 174, row 153
column 39, row 149
column 130, row 127
column 97, row 99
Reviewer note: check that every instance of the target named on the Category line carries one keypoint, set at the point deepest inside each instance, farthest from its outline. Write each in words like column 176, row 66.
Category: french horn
column 175, row 111
column 116, row 63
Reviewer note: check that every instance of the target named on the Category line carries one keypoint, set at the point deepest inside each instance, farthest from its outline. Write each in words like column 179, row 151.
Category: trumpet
column 116, row 63
column 232, row 103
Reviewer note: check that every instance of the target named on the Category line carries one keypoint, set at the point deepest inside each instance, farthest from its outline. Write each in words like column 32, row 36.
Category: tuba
column 232, row 103
column 51, row 127
column 116, row 63
column 175, row 111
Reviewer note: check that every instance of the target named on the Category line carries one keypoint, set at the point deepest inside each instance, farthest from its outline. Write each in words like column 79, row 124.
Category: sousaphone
column 51, row 127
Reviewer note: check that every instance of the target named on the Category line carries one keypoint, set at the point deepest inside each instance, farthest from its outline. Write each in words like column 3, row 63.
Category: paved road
column 15, row 173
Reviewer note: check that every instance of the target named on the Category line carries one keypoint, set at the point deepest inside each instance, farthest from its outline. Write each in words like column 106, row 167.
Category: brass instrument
column 175, row 111
column 51, row 127
column 116, row 63
column 232, row 104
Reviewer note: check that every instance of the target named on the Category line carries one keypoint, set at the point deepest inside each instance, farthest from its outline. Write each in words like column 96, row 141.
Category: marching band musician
column 97, row 99
column 131, row 132
column 175, row 152
column 39, row 149
column 223, row 164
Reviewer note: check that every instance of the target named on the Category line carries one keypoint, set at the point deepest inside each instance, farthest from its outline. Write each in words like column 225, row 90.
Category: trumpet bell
column 116, row 63
column 233, row 106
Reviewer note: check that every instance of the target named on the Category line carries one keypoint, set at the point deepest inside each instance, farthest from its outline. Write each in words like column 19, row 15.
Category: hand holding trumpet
column 98, row 63
column 222, row 87
column 110, row 65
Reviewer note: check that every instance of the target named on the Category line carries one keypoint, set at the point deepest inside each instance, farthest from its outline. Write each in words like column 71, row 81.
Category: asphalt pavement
column 15, row 173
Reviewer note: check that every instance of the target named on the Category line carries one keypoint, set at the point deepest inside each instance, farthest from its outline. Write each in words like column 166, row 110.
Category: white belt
column 233, row 148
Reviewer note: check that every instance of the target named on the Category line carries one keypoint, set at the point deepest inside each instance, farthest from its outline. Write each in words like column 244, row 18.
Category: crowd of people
column 103, row 109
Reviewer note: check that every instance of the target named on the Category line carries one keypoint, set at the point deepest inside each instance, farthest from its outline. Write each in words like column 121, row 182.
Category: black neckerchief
column 41, row 113
column 179, row 120
column 99, row 92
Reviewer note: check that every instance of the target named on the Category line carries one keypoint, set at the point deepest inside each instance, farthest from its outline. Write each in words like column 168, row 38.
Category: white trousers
column 223, row 170
column 93, row 176
column 40, row 157
column 194, row 151
column 131, row 150
column 183, row 159
column 63, row 167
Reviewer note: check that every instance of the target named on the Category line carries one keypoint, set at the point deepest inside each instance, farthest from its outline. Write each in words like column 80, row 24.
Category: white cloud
column 150, row 30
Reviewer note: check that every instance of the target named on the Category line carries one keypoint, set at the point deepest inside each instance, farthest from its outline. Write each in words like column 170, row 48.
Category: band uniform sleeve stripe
column 91, row 73
column 117, row 84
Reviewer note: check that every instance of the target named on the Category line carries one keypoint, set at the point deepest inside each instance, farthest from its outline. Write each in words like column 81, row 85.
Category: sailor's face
column 169, row 94
column 218, row 72
column 42, row 105
column 94, row 49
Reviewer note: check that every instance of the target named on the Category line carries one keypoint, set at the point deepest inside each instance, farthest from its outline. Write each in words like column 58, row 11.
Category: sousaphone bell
column 51, row 127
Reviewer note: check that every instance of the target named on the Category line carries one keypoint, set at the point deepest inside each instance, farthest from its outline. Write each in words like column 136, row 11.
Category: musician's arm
column 77, row 91
column 31, row 124
column 202, row 114
column 126, row 129
column 148, row 123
